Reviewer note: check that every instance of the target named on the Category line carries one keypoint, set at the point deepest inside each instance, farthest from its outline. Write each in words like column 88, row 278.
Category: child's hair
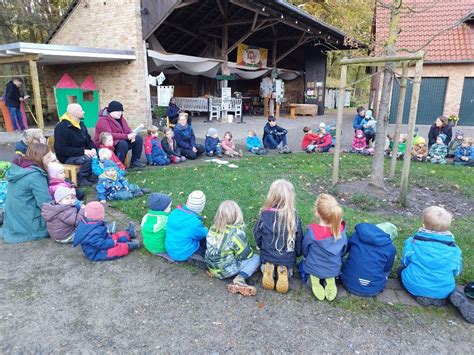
column 360, row 109
column 105, row 154
column 251, row 132
column 228, row 133
column 54, row 169
column 103, row 137
column 151, row 130
column 328, row 210
column 166, row 130
column 436, row 219
column 306, row 129
column 271, row 119
column 228, row 213
column 281, row 196
column 32, row 135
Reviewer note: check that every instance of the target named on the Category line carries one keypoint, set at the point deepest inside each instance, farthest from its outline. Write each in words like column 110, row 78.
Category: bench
column 303, row 109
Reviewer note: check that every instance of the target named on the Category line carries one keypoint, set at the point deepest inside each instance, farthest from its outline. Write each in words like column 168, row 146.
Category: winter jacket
column 211, row 144
column 371, row 256
column 55, row 183
column 20, row 148
column 324, row 141
column 274, row 131
column 322, row 252
column 172, row 111
column 184, row 136
column 439, row 149
column 12, row 95
column 70, row 141
column 170, row 147
column 98, row 167
column 359, row 143
column 371, row 125
column 227, row 144
column 61, row 220
column 253, row 142
column 453, row 145
column 4, row 166
column 309, row 138
column 464, row 152
column 436, row 131
column 419, row 149
column 431, row 260
column 402, row 148
column 225, row 252
column 27, row 191
column 107, row 187
column 118, row 128
column 114, row 158
column 154, row 231
column 154, row 152
column 273, row 249
column 183, row 233
column 357, row 122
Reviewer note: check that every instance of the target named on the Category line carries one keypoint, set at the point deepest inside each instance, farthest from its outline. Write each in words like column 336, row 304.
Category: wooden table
column 303, row 109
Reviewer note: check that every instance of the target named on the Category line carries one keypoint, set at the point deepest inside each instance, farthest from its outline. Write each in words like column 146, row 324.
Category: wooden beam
column 19, row 58
column 221, row 8
column 195, row 35
column 340, row 115
column 371, row 60
column 261, row 26
column 36, row 93
column 296, row 46
column 229, row 23
column 254, row 22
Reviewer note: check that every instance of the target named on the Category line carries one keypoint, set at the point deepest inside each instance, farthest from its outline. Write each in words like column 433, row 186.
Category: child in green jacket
column 154, row 222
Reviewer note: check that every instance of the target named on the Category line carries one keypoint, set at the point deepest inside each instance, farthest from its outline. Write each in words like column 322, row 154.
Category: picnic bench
column 303, row 109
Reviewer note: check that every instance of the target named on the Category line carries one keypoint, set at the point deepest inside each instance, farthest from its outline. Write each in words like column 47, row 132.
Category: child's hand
column 103, row 202
column 211, row 152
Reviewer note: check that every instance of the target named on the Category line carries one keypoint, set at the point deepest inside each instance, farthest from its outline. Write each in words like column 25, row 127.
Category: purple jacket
column 61, row 220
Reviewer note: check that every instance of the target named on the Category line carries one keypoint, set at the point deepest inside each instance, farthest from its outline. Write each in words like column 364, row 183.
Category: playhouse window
column 71, row 99
column 88, row 96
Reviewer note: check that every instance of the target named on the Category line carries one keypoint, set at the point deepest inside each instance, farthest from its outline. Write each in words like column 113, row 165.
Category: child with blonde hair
column 106, row 141
column 324, row 244
column 228, row 252
column 228, row 146
column 171, row 147
column 155, row 155
column 254, row 144
column 98, row 161
column 278, row 234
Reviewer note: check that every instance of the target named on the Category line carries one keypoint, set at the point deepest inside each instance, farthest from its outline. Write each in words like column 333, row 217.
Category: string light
column 263, row 9
column 296, row 21
column 281, row 16
column 309, row 29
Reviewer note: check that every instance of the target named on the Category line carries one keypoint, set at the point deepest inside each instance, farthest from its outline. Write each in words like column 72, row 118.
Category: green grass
column 248, row 186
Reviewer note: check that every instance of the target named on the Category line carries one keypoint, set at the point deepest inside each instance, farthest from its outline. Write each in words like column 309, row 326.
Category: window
column 88, row 96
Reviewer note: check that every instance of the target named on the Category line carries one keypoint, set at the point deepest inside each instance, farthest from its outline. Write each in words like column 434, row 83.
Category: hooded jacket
column 439, row 149
column 309, row 138
column 431, row 261
column 272, row 249
column 273, row 131
column 253, row 142
column 359, row 143
column 465, row 152
column 183, row 233
column 119, row 129
column 324, row 141
column 371, row 256
column 108, row 187
column 322, row 252
column 55, row 183
column 114, row 158
column 227, row 144
column 61, row 220
column 170, row 148
column 154, row 151
column 453, row 145
column 211, row 144
column 21, row 148
column 154, row 231
column 27, row 191
column 419, row 149
column 12, row 95
column 184, row 136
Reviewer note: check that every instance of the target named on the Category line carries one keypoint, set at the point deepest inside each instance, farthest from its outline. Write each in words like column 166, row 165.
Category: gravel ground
column 53, row 300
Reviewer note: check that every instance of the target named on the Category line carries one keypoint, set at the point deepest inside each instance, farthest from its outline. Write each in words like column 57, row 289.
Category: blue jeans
column 248, row 267
column 16, row 118
column 272, row 142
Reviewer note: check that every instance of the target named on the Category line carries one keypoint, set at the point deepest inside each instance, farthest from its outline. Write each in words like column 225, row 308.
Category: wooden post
column 340, row 115
column 411, row 127
column 225, row 46
column 36, row 93
column 398, row 126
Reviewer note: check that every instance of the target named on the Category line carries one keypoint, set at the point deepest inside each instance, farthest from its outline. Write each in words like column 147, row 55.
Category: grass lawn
column 248, row 186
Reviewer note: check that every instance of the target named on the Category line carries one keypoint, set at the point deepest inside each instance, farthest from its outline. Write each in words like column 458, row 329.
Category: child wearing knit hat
column 185, row 232
column 455, row 143
column 213, row 143
column 96, row 242
column 439, row 150
column 63, row 214
column 57, row 178
column 155, row 221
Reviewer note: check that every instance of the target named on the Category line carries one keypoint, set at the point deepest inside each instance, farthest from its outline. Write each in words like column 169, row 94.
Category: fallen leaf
column 261, row 305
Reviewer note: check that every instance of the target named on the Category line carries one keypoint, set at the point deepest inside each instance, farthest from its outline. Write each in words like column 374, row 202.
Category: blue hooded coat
column 371, row 256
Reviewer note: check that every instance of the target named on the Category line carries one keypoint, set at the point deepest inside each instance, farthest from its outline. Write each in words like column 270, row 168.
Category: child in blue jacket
column 254, row 145
column 431, row 259
column 96, row 242
column 184, row 135
column 464, row 154
column 213, row 143
column 155, row 155
column 371, row 255
column 185, row 230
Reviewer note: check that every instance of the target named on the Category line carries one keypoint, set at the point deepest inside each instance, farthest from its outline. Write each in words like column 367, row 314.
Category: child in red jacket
column 324, row 142
column 107, row 141
column 308, row 144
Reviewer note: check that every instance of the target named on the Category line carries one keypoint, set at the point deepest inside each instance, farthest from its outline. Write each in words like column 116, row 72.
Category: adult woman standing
column 27, row 190
column 438, row 127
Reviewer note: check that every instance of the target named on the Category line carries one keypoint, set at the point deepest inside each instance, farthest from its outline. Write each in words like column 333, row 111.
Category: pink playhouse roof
column 66, row 82
column 88, row 84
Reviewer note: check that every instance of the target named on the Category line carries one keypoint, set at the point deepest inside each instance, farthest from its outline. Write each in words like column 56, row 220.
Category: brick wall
column 114, row 24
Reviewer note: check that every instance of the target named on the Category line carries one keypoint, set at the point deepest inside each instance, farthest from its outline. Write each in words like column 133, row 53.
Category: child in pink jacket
column 228, row 146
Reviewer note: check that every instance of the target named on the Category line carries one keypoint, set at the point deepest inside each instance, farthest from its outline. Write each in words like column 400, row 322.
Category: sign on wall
column 253, row 57
column 226, row 98
column 164, row 93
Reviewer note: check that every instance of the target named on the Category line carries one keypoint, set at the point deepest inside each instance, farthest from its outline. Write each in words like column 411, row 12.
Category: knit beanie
column 459, row 133
column 322, row 125
column 158, row 201
column 196, row 201
column 62, row 192
column 419, row 140
column 114, row 106
column 443, row 137
column 95, row 211
column 109, row 164
column 211, row 132
column 389, row 228
column 54, row 169
column 368, row 114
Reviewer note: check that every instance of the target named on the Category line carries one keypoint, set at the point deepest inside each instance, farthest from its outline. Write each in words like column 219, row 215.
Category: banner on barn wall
column 226, row 98
column 164, row 93
column 252, row 57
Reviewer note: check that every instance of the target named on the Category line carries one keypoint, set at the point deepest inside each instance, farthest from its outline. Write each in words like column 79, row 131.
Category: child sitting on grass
column 28, row 137
column 62, row 215
column 308, row 143
column 228, row 252
column 419, row 152
column 171, row 147
column 213, row 143
column 185, row 232
column 439, row 150
column 278, row 234
column 155, row 155
column 155, row 221
column 274, row 135
column 106, row 141
column 57, row 178
column 359, row 144
column 96, row 242
column 431, row 259
column 465, row 153
column 228, row 146
column 324, row 142
column 455, row 143
column 371, row 254
column 368, row 126
column 254, row 145
column 103, row 155
column 402, row 146
column 324, row 244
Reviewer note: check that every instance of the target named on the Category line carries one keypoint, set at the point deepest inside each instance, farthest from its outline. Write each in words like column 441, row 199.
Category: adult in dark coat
column 173, row 111
column 12, row 101
column 440, row 126
column 73, row 144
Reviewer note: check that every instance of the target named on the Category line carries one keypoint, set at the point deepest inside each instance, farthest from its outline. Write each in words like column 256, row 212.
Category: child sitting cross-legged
column 155, row 221
column 464, row 154
column 103, row 155
column 275, row 136
column 228, row 146
column 431, row 259
column 439, row 150
column 455, row 143
column 96, row 242
column 371, row 254
column 155, row 155
column 324, row 244
column 419, row 152
column 213, row 143
column 278, row 234
column 62, row 215
column 228, row 252
column 308, row 143
column 185, row 232
column 171, row 147
column 324, row 142
column 57, row 178
column 254, row 145
column 114, row 186
column 359, row 144
column 106, row 141
column 402, row 146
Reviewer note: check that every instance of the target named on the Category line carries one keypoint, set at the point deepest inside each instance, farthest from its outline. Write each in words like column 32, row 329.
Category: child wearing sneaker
column 155, row 221
column 274, row 135
column 228, row 252
column 185, row 230
column 213, row 143
column 254, row 145
column 324, row 244
column 228, row 146
column 96, row 242
column 278, row 234
column 431, row 259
